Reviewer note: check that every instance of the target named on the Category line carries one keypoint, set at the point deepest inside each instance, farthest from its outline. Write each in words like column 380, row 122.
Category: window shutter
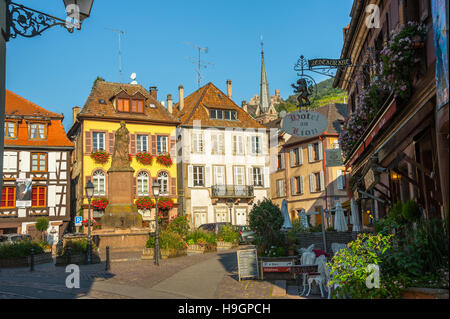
column 207, row 176
column 250, row 177
column 264, row 144
column 311, row 183
column 267, row 177
column 320, row 150
column 249, row 146
column 173, row 186
column 133, row 144
column 300, row 155
column 172, row 146
column 88, row 141
column 274, row 163
column 340, row 180
column 234, row 145
column 111, row 142
column 322, row 181
column 291, row 157
column 302, row 191
column 190, row 176
column 310, row 153
column 154, row 145
column 135, row 187
column 293, row 186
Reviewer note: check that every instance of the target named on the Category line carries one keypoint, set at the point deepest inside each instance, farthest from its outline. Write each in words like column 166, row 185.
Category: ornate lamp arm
column 28, row 22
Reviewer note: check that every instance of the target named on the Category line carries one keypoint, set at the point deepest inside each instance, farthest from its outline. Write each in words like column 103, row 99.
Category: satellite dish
column 133, row 76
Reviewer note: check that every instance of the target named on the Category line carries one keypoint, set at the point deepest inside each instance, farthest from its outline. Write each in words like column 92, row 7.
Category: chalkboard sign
column 247, row 263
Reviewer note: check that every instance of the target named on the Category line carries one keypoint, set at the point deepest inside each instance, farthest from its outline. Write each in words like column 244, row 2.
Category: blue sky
column 57, row 69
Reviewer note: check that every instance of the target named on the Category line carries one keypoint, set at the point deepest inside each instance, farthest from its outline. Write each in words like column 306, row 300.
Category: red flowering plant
column 99, row 203
column 165, row 204
column 100, row 156
column 164, row 159
column 130, row 157
column 145, row 203
column 144, row 158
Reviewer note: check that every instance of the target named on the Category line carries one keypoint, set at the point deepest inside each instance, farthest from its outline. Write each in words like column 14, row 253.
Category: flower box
column 164, row 160
column 144, row 158
column 224, row 245
column 100, row 157
column 201, row 249
column 148, row 253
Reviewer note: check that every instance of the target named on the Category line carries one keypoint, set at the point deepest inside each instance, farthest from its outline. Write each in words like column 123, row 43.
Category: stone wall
column 14, row 262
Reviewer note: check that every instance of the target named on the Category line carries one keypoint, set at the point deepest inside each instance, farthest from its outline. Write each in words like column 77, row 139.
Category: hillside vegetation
column 325, row 94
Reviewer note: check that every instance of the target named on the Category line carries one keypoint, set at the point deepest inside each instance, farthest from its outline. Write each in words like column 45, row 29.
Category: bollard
column 69, row 257
column 32, row 259
column 108, row 264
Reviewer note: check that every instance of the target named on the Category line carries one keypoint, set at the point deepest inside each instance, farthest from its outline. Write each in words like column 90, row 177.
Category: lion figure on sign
column 304, row 92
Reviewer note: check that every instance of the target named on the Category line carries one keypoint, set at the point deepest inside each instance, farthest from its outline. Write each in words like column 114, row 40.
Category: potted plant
column 227, row 238
column 171, row 245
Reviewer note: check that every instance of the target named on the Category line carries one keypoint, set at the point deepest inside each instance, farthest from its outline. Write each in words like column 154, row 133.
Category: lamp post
column 156, row 188
column 89, row 193
column 230, row 206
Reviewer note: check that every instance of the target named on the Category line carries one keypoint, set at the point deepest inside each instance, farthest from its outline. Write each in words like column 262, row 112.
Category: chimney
column 154, row 92
column 181, row 95
column 75, row 111
column 277, row 93
column 229, row 90
column 244, row 106
column 169, row 103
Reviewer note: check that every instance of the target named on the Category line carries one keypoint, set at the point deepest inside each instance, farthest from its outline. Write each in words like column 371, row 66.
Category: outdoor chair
column 319, row 277
column 308, row 258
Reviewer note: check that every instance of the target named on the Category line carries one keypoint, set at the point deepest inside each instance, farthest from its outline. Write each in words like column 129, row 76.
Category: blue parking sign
column 78, row 220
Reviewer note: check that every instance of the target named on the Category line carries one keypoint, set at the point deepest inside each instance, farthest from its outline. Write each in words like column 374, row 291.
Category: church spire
column 264, row 92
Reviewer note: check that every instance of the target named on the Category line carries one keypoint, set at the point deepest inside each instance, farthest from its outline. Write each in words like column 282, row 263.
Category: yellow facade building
column 152, row 132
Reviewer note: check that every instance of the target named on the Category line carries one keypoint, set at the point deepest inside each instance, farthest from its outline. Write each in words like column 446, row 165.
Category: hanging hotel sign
column 23, row 192
column 334, row 157
column 371, row 179
column 304, row 124
column 329, row 62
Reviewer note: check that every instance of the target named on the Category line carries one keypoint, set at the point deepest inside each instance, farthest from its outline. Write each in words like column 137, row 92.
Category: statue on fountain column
column 120, row 157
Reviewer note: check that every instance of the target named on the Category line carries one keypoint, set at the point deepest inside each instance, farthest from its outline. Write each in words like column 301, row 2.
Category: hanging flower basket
column 100, row 157
column 144, row 158
column 145, row 203
column 99, row 203
column 164, row 160
column 165, row 204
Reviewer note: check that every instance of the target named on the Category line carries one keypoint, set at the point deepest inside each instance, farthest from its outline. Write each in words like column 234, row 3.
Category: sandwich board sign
column 247, row 263
column 304, row 123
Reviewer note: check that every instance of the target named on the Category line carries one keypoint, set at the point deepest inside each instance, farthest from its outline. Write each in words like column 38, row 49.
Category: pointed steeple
column 264, row 92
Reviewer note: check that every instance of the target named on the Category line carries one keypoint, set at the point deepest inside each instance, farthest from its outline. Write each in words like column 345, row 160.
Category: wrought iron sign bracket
column 29, row 23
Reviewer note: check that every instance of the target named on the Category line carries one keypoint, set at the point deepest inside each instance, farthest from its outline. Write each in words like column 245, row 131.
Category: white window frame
column 238, row 144
column 142, row 143
column 97, row 177
column 256, row 145
column 238, row 175
column 217, row 143
column 143, row 184
column 162, row 144
column 163, row 180
column 257, row 177
column 98, row 144
column 198, row 176
column 197, row 139
column 219, row 173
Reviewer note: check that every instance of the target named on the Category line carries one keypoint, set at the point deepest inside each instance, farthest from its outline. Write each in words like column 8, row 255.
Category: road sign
column 247, row 263
column 78, row 220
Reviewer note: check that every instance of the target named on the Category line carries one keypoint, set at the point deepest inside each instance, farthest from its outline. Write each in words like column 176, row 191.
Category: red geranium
column 164, row 159
column 99, row 203
column 165, row 203
column 100, row 156
column 144, row 158
column 144, row 203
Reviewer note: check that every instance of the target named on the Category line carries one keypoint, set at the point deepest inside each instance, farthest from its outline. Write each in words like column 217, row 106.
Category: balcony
column 232, row 191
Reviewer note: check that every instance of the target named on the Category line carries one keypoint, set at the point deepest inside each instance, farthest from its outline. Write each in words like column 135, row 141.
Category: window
column 10, row 130
column 198, row 142
column 213, row 114
column 98, row 141
column 163, row 179
column 8, row 197
column 219, row 175
column 37, row 131
column 340, row 180
column 142, row 143
column 315, row 152
column 257, row 176
column 317, row 182
column 99, row 183
column 123, row 105
column 280, row 162
column 239, row 175
column 296, row 156
column 299, row 183
column 162, row 144
column 217, row 143
column 199, row 176
column 238, row 144
column 280, row 188
column 39, row 196
column 256, row 145
column 130, row 105
column 228, row 115
column 233, row 115
column 142, row 184
column 38, row 162
column 219, row 114
column 137, row 106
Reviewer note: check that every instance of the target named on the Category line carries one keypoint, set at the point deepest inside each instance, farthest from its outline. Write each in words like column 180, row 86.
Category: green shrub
column 199, row 236
column 167, row 240
column 42, row 225
column 78, row 247
column 411, row 211
column 179, row 225
column 396, row 212
column 20, row 249
column 228, row 234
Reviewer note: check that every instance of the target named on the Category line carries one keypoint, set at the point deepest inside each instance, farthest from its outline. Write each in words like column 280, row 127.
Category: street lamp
column 89, row 193
column 156, row 188
column 230, row 206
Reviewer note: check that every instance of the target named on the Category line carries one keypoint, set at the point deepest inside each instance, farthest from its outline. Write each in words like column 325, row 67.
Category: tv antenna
column 119, row 33
column 198, row 61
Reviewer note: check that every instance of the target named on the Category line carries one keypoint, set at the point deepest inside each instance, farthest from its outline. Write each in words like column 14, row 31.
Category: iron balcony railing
column 232, row 191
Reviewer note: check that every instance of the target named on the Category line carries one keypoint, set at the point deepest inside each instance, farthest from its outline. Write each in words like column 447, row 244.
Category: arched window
column 142, row 184
column 163, row 179
column 99, row 183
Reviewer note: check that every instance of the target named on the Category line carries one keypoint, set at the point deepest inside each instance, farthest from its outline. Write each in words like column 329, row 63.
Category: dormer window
column 228, row 115
column 127, row 105
column 10, row 130
column 37, row 131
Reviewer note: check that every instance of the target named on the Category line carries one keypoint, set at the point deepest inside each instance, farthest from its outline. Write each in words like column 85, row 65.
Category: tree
column 266, row 221
column 42, row 225
column 99, row 78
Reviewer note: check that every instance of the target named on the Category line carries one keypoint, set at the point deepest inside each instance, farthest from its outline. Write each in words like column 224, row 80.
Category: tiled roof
column 196, row 107
column 106, row 91
column 335, row 113
column 17, row 108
